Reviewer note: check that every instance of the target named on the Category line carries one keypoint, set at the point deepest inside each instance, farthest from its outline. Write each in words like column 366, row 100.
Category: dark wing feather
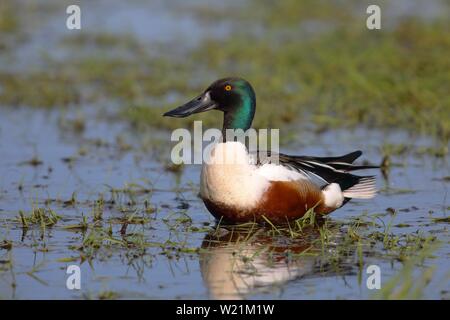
column 347, row 158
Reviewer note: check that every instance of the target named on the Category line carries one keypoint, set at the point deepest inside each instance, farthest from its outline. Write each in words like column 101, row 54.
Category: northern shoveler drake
column 252, row 190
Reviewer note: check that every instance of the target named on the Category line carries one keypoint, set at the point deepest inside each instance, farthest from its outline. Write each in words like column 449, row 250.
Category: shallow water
column 415, row 189
column 163, row 243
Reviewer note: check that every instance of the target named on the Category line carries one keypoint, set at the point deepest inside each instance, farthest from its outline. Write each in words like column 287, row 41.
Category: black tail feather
column 347, row 158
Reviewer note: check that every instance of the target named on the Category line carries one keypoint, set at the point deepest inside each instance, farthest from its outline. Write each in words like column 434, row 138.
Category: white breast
column 230, row 177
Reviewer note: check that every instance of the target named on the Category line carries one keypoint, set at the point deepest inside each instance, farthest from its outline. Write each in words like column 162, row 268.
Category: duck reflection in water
column 236, row 263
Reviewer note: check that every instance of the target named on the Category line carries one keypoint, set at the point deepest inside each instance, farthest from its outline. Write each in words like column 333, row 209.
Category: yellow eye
column 227, row 87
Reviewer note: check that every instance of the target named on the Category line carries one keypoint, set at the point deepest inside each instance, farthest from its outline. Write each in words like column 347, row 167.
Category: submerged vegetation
column 333, row 247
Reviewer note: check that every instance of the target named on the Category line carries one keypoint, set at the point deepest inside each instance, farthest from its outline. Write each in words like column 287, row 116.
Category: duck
column 238, row 186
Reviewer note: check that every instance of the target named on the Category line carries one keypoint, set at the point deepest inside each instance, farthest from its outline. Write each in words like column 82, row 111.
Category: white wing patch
column 274, row 172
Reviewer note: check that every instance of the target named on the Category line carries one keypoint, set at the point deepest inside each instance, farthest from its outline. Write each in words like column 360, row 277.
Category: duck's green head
column 235, row 97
